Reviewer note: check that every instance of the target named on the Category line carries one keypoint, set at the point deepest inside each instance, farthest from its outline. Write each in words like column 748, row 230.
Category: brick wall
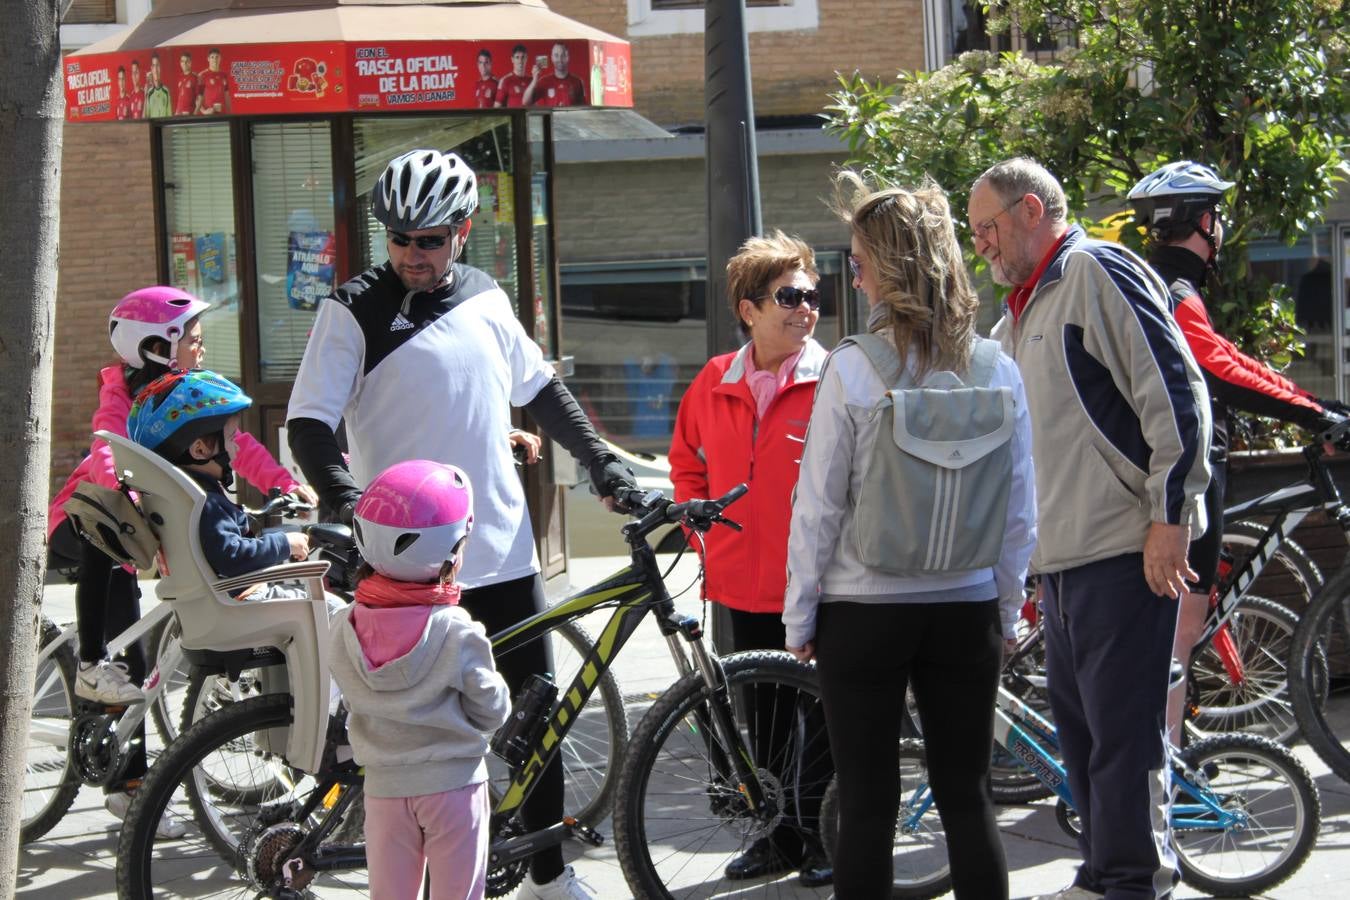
column 792, row 71
column 107, row 248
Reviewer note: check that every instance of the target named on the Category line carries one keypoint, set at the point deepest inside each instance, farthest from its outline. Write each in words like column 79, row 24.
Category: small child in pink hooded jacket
column 420, row 686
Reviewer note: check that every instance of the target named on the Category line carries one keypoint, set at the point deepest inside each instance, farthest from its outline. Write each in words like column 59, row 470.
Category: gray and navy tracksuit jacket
column 1120, row 415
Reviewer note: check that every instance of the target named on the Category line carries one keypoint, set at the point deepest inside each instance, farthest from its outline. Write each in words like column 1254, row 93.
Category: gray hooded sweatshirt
column 418, row 723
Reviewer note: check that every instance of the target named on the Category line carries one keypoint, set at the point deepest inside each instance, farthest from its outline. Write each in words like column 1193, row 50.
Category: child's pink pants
column 446, row 831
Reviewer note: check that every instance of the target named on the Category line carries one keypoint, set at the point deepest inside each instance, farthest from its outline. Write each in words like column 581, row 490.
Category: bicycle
column 296, row 839
column 1322, row 637
column 1237, row 679
column 74, row 742
column 1244, row 815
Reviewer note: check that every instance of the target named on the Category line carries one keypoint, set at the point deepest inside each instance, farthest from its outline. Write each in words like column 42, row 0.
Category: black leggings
column 108, row 602
column 950, row 653
column 499, row 606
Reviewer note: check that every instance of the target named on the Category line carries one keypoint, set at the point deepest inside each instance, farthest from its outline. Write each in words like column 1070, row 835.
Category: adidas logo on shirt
column 400, row 323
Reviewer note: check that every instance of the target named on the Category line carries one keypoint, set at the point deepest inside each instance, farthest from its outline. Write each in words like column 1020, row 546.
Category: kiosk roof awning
column 252, row 57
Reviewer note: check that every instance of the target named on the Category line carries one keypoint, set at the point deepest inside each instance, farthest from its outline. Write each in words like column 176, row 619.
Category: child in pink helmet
column 154, row 329
column 420, row 686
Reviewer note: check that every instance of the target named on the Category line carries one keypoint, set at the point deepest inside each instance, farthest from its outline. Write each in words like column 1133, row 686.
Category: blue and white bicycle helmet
column 424, row 189
column 1178, row 192
column 175, row 409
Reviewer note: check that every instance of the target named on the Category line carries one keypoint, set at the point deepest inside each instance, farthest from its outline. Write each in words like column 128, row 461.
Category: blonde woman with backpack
column 912, row 525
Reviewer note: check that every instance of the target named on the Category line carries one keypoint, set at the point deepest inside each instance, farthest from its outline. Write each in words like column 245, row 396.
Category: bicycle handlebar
column 654, row 509
column 284, row 505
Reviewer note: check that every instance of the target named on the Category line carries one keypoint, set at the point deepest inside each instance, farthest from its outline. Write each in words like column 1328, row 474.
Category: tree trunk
column 31, row 111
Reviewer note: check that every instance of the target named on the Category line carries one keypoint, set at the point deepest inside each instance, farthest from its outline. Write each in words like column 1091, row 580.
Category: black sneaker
column 762, row 859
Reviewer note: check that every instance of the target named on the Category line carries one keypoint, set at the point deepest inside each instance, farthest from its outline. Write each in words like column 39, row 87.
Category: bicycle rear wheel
column 680, row 817
column 1262, row 631
column 261, row 835
column 1272, row 809
column 593, row 749
column 921, row 869
column 1326, row 624
column 49, row 779
column 1290, row 570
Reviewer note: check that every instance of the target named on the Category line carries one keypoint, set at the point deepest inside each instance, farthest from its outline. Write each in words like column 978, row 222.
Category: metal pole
column 733, row 169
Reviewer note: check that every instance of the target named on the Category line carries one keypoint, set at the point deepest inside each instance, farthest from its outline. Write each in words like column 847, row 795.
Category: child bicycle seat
column 212, row 620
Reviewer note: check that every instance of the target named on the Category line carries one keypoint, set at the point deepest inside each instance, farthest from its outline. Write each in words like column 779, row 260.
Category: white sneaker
column 106, row 682
column 170, row 828
column 566, row 886
column 1072, row 892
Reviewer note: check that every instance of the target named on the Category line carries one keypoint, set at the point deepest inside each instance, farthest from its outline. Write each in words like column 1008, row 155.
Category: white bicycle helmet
column 411, row 517
column 158, row 312
column 1179, row 191
column 424, row 189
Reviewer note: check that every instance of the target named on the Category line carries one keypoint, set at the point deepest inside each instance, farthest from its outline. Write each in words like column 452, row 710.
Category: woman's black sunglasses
column 790, row 297
column 423, row 242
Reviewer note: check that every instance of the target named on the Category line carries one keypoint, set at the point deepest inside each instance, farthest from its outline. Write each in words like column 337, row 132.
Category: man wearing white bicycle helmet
column 1179, row 204
column 423, row 357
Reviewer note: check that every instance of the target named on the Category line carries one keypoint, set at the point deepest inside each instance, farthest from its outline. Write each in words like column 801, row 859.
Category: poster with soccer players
column 338, row 76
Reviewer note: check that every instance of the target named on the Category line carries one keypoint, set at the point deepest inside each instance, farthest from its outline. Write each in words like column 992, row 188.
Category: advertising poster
column 336, row 76
column 183, row 261
column 211, row 258
column 310, row 268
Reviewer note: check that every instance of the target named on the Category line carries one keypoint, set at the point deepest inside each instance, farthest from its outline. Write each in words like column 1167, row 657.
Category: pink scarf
column 765, row 385
column 390, row 615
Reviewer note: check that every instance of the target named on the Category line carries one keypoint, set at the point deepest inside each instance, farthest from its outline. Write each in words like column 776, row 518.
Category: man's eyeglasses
column 423, row 241
column 855, row 266
column 984, row 227
column 790, row 297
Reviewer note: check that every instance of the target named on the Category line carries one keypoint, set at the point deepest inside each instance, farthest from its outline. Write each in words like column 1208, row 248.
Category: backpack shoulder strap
column 881, row 354
column 983, row 358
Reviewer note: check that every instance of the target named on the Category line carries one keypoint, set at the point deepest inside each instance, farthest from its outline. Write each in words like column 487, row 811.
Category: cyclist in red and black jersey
column 1180, row 205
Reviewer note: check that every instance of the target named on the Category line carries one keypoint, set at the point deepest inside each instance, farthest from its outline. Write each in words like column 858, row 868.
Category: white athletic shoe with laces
column 1072, row 892
column 170, row 827
column 106, row 682
column 567, row 886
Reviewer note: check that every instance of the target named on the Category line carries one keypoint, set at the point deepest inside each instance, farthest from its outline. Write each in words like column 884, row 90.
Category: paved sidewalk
column 76, row 859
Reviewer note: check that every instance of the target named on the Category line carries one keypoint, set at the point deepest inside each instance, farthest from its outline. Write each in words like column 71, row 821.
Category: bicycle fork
column 715, row 721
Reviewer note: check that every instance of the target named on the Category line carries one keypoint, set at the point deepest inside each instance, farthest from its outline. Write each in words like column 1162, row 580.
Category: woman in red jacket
column 743, row 419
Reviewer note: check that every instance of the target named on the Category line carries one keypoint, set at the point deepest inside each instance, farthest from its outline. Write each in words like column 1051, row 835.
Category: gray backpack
column 935, row 481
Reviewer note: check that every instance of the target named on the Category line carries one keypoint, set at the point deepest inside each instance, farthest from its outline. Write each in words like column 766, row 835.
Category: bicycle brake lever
column 728, row 522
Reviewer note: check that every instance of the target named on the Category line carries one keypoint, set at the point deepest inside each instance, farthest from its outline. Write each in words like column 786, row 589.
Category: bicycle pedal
column 99, row 708
column 583, row 833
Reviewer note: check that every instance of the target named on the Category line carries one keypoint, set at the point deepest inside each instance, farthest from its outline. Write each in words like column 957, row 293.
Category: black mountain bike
column 303, row 837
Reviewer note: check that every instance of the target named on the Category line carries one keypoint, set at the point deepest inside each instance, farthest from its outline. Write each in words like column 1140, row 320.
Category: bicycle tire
column 191, row 866
column 1263, row 632
column 1324, row 625
column 593, row 750
column 1289, row 559
column 50, row 783
column 227, row 786
column 1281, row 810
column 669, row 764
column 922, row 870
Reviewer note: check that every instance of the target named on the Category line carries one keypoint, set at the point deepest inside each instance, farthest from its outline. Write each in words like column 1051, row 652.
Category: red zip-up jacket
column 718, row 443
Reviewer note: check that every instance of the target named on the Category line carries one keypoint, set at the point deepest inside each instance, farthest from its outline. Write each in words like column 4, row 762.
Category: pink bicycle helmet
column 411, row 517
column 159, row 312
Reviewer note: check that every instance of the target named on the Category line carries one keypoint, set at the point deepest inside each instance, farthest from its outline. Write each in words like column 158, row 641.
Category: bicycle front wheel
column 1262, row 632
column 262, row 835
column 1245, row 815
column 1326, row 624
column 49, row 779
column 921, row 869
column 681, row 815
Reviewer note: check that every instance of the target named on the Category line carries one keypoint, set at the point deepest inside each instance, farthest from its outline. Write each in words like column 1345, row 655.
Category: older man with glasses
column 423, row 357
column 1119, row 411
